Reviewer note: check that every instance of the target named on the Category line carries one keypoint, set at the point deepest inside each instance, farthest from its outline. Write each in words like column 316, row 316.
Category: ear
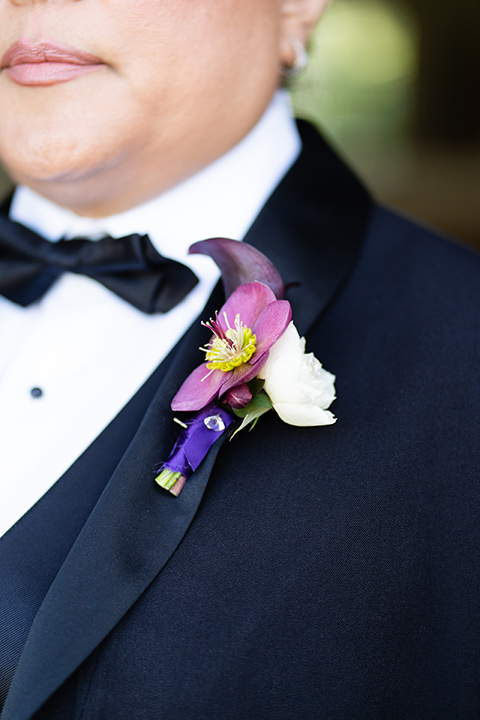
column 298, row 18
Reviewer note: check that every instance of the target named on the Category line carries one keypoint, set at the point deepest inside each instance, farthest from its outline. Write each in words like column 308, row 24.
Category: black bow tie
column 129, row 266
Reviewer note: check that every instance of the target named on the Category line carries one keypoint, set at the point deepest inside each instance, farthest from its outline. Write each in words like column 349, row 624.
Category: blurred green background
column 395, row 85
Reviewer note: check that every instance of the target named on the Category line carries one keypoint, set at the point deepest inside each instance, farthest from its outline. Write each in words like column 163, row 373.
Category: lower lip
column 48, row 73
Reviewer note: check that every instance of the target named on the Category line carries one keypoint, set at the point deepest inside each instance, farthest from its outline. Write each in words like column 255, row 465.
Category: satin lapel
column 311, row 228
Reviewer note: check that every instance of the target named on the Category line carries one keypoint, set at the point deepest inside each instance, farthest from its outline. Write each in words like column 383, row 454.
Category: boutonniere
column 254, row 362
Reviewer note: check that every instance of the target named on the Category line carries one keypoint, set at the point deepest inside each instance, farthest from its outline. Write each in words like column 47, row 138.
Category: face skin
column 180, row 82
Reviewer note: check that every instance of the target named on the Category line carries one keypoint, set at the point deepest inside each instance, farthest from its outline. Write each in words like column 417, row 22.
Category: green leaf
column 260, row 400
column 255, row 385
column 258, row 406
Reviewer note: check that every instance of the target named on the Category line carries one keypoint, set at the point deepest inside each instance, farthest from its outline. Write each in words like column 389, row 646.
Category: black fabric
column 33, row 550
column 304, row 573
column 129, row 266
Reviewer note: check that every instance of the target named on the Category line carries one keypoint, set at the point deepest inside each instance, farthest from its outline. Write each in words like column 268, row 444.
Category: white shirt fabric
column 88, row 350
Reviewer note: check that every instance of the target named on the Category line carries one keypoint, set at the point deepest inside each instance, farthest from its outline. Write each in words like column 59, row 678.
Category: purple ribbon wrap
column 193, row 444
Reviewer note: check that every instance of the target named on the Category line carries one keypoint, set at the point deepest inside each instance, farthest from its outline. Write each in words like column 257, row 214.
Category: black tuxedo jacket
column 304, row 573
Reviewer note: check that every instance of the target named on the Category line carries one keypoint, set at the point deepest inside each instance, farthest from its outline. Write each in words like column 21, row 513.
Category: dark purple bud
column 238, row 397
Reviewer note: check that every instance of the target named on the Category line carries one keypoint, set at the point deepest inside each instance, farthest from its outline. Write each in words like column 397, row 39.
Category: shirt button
column 36, row 392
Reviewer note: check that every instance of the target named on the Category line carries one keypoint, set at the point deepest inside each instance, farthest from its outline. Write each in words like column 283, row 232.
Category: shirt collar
column 222, row 200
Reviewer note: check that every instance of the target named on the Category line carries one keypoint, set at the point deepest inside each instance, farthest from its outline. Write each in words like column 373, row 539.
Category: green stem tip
column 171, row 481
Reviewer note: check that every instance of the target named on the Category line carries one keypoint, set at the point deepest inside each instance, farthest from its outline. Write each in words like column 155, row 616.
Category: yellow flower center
column 230, row 348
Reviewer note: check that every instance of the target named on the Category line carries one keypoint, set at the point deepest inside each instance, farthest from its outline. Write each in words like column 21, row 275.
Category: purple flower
column 244, row 330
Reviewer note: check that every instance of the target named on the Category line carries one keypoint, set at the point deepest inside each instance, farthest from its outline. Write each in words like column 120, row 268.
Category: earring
column 300, row 61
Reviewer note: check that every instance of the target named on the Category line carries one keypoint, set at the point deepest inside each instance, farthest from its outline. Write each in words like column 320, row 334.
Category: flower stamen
column 229, row 348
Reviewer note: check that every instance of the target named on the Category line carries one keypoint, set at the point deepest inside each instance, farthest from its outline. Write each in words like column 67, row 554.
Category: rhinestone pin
column 214, row 422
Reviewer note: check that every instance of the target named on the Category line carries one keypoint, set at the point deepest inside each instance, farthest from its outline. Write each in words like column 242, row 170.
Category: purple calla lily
column 244, row 330
column 240, row 263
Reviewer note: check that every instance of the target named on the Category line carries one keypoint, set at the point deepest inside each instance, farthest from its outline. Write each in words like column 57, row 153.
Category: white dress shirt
column 86, row 351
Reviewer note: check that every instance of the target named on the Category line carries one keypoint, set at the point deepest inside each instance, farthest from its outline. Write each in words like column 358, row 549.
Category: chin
column 55, row 156
column 63, row 132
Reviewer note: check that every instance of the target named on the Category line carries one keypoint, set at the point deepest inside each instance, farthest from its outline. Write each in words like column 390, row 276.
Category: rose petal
column 290, row 381
column 289, row 347
column 239, row 263
column 201, row 387
column 248, row 301
column 299, row 388
column 304, row 415
column 271, row 324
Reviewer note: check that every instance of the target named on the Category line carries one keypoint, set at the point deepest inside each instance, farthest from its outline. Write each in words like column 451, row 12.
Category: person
column 303, row 572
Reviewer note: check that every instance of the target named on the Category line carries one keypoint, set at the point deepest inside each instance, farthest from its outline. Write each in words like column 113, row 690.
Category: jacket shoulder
column 423, row 251
column 413, row 288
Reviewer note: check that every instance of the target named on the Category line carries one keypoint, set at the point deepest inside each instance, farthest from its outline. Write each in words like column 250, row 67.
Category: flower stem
column 171, row 481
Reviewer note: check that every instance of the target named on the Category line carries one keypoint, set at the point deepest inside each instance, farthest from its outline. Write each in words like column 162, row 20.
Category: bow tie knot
column 130, row 267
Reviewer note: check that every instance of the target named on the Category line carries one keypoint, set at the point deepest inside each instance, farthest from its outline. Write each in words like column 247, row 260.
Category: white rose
column 299, row 388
